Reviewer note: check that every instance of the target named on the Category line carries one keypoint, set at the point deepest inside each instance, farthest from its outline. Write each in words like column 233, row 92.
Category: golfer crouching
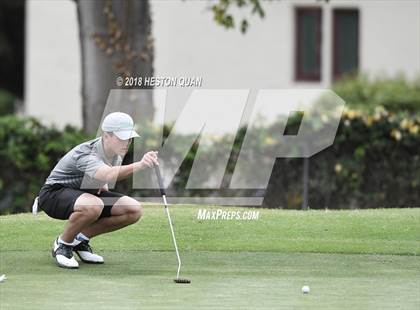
column 77, row 190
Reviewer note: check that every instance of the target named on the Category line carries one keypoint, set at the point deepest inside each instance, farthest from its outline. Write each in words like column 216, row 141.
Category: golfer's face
column 120, row 147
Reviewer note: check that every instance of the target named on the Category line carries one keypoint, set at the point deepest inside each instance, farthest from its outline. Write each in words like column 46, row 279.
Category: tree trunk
column 116, row 41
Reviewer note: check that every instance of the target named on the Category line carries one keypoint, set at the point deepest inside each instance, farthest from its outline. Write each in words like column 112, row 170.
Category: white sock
column 64, row 242
column 82, row 237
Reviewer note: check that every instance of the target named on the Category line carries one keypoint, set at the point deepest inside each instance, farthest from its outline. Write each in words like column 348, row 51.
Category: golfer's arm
column 111, row 174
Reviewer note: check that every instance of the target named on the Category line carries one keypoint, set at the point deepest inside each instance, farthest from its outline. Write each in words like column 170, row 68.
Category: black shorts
column 58, row 201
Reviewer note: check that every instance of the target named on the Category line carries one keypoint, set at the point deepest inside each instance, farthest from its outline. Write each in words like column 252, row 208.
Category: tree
column 116, row 41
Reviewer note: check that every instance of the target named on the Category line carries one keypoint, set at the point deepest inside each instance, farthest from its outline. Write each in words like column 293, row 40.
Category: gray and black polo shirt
column 77, row 168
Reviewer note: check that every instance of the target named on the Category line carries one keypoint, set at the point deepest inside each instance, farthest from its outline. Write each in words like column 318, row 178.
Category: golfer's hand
column 103, row 189
column 150, row 159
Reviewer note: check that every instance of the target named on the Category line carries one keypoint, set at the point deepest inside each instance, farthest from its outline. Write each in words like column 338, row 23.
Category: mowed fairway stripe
column 220, row 280
column 259, row 264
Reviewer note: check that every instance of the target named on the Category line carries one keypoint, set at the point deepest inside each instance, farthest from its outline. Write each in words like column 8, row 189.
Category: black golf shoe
column 85, row 252
column 63, row 255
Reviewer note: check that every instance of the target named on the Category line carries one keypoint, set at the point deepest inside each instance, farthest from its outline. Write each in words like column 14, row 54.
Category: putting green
column 258, row 264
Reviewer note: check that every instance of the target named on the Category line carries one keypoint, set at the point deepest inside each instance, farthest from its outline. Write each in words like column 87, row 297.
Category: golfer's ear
column 107, row 134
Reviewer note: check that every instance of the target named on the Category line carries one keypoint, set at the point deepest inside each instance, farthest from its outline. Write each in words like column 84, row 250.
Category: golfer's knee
column 135, row 212
column 90, row 207
column 93, row 212
column 131, row 208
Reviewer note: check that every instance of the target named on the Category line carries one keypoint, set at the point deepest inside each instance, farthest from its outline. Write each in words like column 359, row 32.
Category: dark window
column 308, row 44
column 345, row 41
column 12, row 46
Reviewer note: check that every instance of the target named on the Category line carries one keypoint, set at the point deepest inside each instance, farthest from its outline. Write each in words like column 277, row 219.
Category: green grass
column 351, row 260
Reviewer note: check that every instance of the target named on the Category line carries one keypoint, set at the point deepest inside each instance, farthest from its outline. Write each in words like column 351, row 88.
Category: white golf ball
column 2, row 278
column 305, row 289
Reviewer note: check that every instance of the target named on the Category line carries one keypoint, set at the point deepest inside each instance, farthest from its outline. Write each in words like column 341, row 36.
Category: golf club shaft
column 173, row 234
column 163, row 193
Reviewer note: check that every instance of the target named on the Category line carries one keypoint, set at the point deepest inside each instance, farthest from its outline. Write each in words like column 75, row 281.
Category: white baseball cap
column 121, row 124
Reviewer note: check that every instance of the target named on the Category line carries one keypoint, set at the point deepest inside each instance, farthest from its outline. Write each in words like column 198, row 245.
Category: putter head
column 183, row 281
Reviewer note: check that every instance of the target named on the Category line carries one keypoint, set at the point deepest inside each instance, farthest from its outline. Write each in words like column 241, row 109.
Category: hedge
column 7, row 103
column 365, row 93
column 374, row 162
column 28, row 152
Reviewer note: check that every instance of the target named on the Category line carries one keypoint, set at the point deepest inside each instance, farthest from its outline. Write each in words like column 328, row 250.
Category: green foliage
column 28, row 153
column 374, row 162
column 6, row 102
column 395, row 94
column 223, row 16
